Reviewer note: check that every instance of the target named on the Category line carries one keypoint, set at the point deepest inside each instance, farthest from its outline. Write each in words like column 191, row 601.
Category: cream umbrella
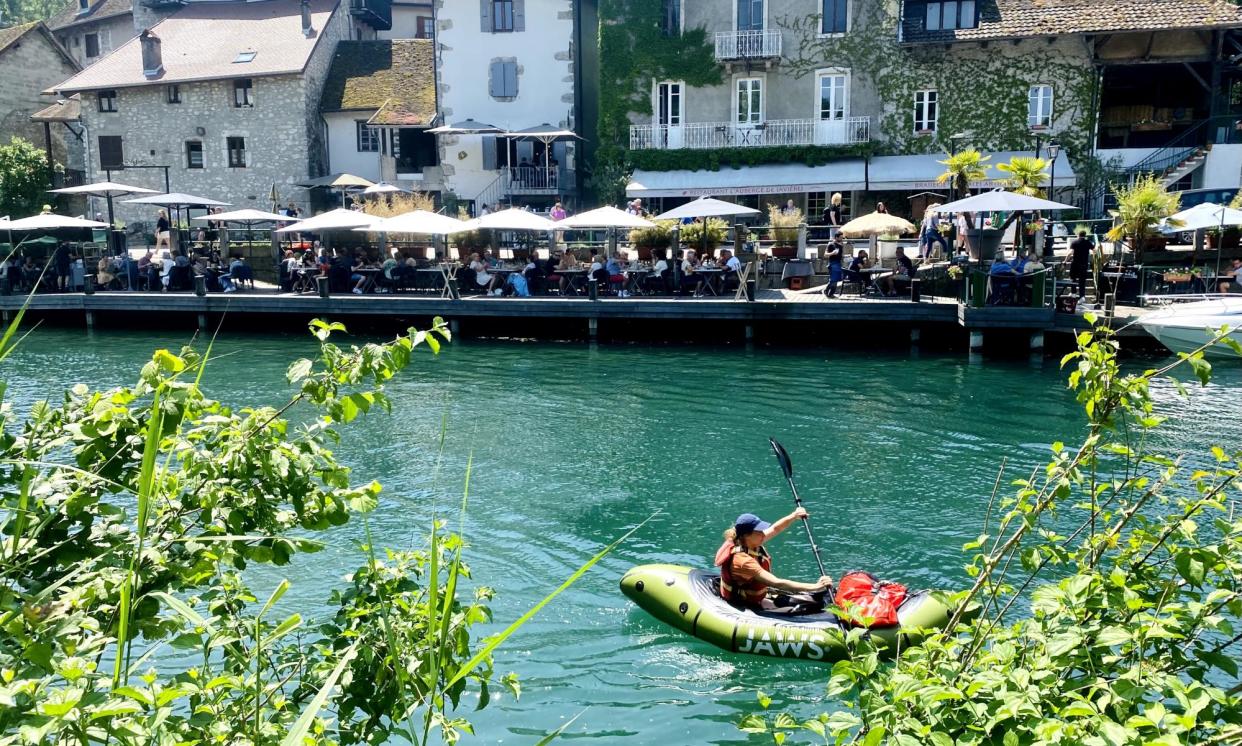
column 706, row 207
column 421, row 222
column 51, row 221
column 511, row 219
column 876, row 224
column 338, row 219
column 604, row 217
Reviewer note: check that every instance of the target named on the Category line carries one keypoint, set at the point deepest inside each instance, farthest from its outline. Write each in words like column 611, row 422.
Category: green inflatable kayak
column 689, row 600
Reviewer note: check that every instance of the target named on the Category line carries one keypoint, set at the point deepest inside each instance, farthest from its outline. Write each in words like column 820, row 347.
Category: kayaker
column 746, row 577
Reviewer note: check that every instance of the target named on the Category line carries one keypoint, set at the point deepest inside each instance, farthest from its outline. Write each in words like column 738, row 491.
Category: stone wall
column 339, row 27
column 26, row 68
column 155, row 132
column 113, row 32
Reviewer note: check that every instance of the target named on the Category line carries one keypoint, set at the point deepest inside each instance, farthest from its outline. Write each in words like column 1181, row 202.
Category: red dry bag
column 869, row 601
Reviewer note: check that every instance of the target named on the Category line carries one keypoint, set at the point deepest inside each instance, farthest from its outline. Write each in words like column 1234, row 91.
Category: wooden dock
column 557, row 317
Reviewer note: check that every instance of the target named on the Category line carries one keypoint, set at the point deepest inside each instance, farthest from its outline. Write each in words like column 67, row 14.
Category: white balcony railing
column 736, row 45
column 704, row 135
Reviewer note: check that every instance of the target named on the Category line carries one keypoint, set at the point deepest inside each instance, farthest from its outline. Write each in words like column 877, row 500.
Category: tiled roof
column 202, row 40
column 97, row 10
column 64, row 110
column 1012, row 19
column 396, row 78
column 13, row 33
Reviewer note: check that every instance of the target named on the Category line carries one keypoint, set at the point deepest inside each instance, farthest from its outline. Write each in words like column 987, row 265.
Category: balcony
column 747, row 45
column 375, row 13
column 792, row 132
column 530, row 179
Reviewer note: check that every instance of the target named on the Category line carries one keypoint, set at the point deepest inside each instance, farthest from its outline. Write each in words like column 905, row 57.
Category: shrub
column 784, row 225
column 708, row 234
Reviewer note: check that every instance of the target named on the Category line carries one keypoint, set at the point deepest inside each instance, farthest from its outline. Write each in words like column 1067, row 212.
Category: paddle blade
column 783, row 457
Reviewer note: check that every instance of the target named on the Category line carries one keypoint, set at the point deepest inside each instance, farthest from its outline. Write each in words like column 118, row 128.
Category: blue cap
column 748, row 522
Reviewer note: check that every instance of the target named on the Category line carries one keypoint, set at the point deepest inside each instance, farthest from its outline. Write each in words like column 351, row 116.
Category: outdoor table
column 634, row 279
column 573, row 278
column 711, row 278
column 369, row 274
column 305, row 282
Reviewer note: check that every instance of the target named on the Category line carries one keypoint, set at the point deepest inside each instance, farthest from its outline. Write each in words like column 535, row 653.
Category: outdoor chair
column 659, row 284
column 244, row 277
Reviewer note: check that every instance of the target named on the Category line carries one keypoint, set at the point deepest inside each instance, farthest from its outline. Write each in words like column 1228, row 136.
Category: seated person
column 616, row 275
column 236, row 270
column 1234, row 285
column 731, row 277
column 746, row 578
column 104, row 278
column 690, row 278
column 481, row 277
column 887, row 283
column 1002, row 282
column 854, row 273
column 658, row 280
column 1032, row 264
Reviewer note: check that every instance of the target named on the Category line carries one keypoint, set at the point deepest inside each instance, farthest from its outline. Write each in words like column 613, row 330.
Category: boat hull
column 1186, row 328
column 686, row 599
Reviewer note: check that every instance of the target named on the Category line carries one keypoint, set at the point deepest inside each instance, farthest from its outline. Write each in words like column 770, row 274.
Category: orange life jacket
column 748, row 593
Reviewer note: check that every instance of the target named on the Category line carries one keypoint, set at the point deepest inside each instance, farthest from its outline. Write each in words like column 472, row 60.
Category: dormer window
column 243, row 93
column 948, row 15
column 84, row 5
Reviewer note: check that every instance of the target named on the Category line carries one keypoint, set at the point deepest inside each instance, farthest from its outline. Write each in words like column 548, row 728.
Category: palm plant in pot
column 961, row 170
column 1140, row 208
column 1026, row 174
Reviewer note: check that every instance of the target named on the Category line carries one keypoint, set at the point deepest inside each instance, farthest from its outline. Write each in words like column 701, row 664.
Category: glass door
column 668, row 114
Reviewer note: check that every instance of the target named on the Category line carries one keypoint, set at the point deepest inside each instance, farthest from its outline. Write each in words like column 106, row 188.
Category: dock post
column 915, row 335
column 321, row 282
column 750, row 332
column 976, row 344
column 454, row 327
column 5, row 317
column 1037, row 342
column 202, row 322
column 593, row 327
column 200, row 286
column 802, row 242
column 739, row 238
column 90, row 319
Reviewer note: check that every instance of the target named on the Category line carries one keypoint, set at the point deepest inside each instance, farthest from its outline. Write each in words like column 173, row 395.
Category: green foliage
column 1125, row 566
column 14, row 12
column 1027, row 175
column 704, row 234
column 1140, row 208
column 1236, row 202
column 784, row 225
column 24, row 178
column 633, row 52
column 659, row 236
column 963, row 169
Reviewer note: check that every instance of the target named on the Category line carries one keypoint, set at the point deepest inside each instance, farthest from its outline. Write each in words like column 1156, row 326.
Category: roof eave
column 166, row 81
column 92, row 19
column 1053, row 34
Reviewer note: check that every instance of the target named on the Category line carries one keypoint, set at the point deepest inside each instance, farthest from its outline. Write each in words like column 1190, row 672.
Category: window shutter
column 496, row 79
column 519, row 15
column 511, row 83
column 485, row 16
column 489, row 152
column 111, row 154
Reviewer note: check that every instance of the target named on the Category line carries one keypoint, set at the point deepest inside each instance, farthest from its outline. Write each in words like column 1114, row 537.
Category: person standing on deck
column 1080, row 262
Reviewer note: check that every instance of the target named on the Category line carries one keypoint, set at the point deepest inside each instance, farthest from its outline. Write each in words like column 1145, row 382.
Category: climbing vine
column 718, row 158
column 981, row 89
column 633, row 51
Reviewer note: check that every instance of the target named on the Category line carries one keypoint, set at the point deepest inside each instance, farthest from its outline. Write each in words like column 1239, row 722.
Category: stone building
column 222, row 96
column 510, row 64
column 378, row 102
column 31, row 60
column 90, row 29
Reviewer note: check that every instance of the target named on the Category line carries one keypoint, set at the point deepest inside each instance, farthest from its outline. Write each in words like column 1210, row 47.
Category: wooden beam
column 1151, row 40
column 1198, row 78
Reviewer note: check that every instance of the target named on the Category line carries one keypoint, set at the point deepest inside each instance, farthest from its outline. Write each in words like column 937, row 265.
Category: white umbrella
column 421, row 222
column 338, row 219
column 383, row 188
column 605, row 217
column 706, row 207
column 176, row 199
column 1002, row 201
column 107, row 190
column 51, row 221
column 511, row 219
column 466, row 127
column 1204, row 216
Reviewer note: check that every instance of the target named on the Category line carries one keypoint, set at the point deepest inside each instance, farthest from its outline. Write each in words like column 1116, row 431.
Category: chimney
column 307, row 31
column 152, row 58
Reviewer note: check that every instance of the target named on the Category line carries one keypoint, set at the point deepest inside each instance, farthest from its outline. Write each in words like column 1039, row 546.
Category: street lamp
column 1054, row 149
column 954, row 139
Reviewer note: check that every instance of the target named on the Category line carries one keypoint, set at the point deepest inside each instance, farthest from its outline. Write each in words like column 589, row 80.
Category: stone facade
column 110, row 33
column 283, row 134
column 29, row 66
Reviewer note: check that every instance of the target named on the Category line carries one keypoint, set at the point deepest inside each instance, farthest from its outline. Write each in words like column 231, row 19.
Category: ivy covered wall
column 981, row 89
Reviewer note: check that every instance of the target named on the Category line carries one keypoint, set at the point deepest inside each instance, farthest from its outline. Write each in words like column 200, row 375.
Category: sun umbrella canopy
column 876, row 224
column 1202, row 216
column 421, row 222
column 104, row 189
column 176, row 199
column 605, row 217
column 52, row 221
column 339, row 181
column 466, row 127
column 1001, row 200
column 512, row 219
column 544, row 133
column 706, row 207
column 339, row 219
column 243, row 216
column 383, row 188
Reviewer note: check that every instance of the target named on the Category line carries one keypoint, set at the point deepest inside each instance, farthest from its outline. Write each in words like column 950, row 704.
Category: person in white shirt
column 733, row 270
column 962, row 231
column 1236, row 271
column 166, row 265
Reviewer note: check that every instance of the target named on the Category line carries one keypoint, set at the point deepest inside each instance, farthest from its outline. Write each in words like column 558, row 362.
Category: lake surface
column 895, row 455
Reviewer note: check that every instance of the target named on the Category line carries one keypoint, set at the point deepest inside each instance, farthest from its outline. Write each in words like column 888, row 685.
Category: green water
column 896, row 457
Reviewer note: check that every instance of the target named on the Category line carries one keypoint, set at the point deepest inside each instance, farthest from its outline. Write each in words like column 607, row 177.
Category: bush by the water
column 1106, row 588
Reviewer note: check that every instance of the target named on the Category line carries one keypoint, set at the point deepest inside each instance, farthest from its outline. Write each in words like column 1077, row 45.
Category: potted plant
column 1026, row 174
column 1140, row 208
column 961, row 170
column 647, row 240
column 886, row 246
column 784, row 226
column 704, row 235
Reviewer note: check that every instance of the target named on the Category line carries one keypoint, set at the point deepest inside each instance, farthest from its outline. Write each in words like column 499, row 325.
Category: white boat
column 1186, row 327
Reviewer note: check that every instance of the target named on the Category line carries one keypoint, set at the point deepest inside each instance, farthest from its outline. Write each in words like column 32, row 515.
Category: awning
column 784, row 178
column 884, row 173
column 899, row 173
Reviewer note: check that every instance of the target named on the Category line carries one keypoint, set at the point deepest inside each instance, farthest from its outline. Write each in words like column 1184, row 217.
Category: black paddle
column 787, row 466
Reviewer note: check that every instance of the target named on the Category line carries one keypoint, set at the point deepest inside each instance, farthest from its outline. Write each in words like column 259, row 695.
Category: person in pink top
column 558, row 212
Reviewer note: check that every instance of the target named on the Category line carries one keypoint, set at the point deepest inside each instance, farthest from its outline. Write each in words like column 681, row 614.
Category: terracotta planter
column 1227, row 241
column 785, row 252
